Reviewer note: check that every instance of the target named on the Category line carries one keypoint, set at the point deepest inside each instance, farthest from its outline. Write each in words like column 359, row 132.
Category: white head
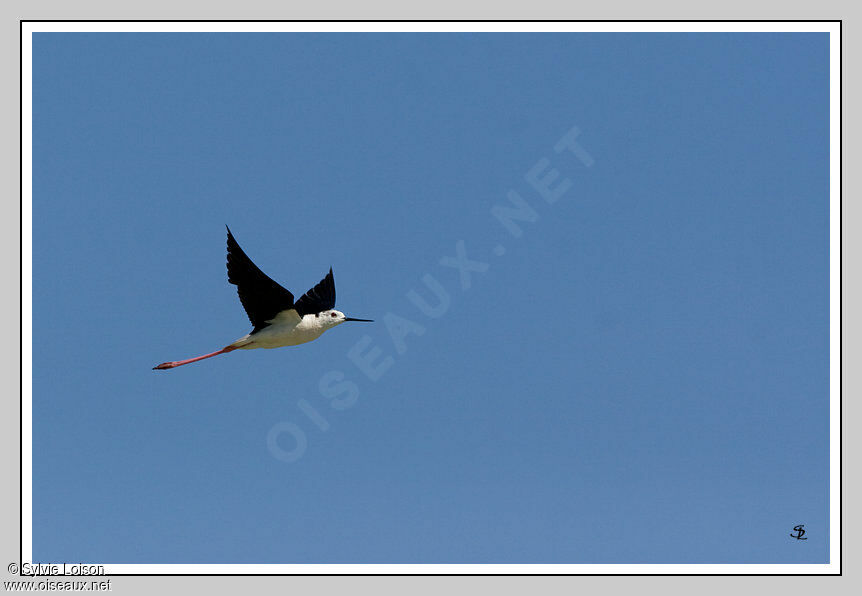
column 331, row 318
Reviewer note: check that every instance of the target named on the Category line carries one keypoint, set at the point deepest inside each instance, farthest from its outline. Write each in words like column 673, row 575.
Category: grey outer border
column 340, row 9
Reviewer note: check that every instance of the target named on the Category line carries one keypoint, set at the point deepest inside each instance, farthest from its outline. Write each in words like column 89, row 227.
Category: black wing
column 261, row 297
column 319, row 298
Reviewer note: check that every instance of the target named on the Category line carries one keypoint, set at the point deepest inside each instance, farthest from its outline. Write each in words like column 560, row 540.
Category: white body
column 288, row 329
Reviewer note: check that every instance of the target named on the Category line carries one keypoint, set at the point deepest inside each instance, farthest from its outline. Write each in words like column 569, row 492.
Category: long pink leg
column 167, row 365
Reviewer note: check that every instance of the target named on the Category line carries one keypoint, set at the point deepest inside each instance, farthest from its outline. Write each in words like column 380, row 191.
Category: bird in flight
column 278, row 320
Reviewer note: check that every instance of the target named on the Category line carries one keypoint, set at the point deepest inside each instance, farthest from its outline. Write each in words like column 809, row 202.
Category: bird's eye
column 332, row 314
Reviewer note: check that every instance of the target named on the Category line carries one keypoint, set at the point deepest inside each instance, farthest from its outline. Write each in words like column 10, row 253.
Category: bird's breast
column 281, row 334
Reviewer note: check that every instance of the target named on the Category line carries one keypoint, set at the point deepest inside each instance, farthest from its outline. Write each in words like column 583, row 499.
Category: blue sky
column 640, row 377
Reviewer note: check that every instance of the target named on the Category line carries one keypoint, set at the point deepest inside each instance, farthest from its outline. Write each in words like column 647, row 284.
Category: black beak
column 360, row 320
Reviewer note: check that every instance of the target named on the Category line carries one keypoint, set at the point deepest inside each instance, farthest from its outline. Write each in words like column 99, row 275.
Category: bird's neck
column 314, row 322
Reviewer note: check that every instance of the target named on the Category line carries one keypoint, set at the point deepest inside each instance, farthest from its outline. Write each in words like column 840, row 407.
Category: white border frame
column 831, row 27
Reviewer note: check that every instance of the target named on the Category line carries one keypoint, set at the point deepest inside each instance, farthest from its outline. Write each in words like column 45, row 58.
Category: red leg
column 167, row 365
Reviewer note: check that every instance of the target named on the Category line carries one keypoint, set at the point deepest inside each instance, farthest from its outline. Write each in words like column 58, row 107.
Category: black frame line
column 840, row 22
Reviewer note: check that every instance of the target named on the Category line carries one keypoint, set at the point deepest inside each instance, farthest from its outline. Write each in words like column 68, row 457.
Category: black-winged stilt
column 278, row 320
